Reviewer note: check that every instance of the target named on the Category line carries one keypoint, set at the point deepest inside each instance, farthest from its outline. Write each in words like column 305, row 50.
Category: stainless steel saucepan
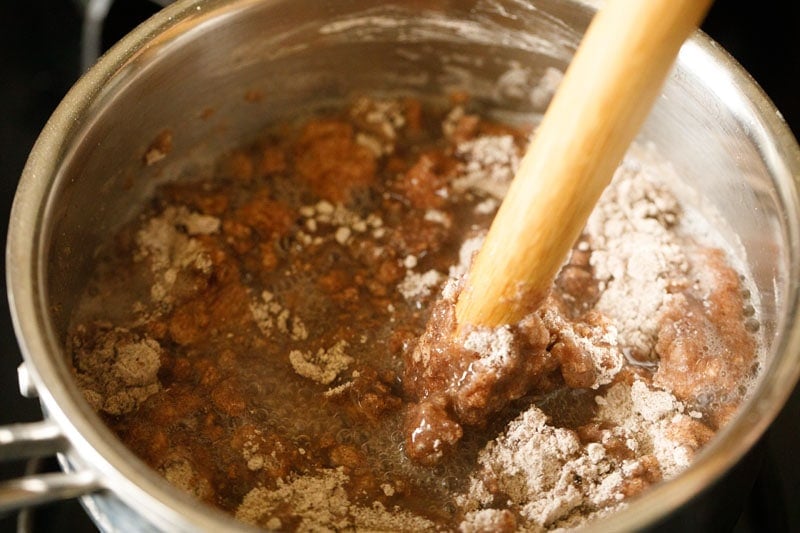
column 214, row 72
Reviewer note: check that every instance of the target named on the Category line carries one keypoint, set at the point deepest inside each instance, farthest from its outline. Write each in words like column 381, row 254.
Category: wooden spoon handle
column 606, row 94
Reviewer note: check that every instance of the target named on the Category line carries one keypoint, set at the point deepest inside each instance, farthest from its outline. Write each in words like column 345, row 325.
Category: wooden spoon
column 606, row 94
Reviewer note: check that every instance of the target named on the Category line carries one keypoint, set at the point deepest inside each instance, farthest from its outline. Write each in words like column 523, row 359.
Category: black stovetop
column 40, row 41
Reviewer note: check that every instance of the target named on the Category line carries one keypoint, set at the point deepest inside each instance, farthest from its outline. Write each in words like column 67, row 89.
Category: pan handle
column 29, row 491
column 39, row 439
column 34, row 439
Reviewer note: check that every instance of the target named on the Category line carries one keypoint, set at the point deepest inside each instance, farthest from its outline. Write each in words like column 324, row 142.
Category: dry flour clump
column 324, row 366
column 270, row 316
column 495, row 346
column 636, row 256
column 180, row 473
column 416, row 286
column 488, row 164
column 380, row 121
column 320, row 503
column 118, row 370
column 597, row 341
column 653, row 422
column 484, row 520
column 167, row 242
column 529, row 464
column 550, row 478
column 341, row 223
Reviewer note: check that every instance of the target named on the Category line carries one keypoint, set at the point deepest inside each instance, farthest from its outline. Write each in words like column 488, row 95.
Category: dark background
column 39, row 61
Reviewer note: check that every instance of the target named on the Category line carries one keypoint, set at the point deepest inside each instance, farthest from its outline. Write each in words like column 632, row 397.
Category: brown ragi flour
column 535, row 474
